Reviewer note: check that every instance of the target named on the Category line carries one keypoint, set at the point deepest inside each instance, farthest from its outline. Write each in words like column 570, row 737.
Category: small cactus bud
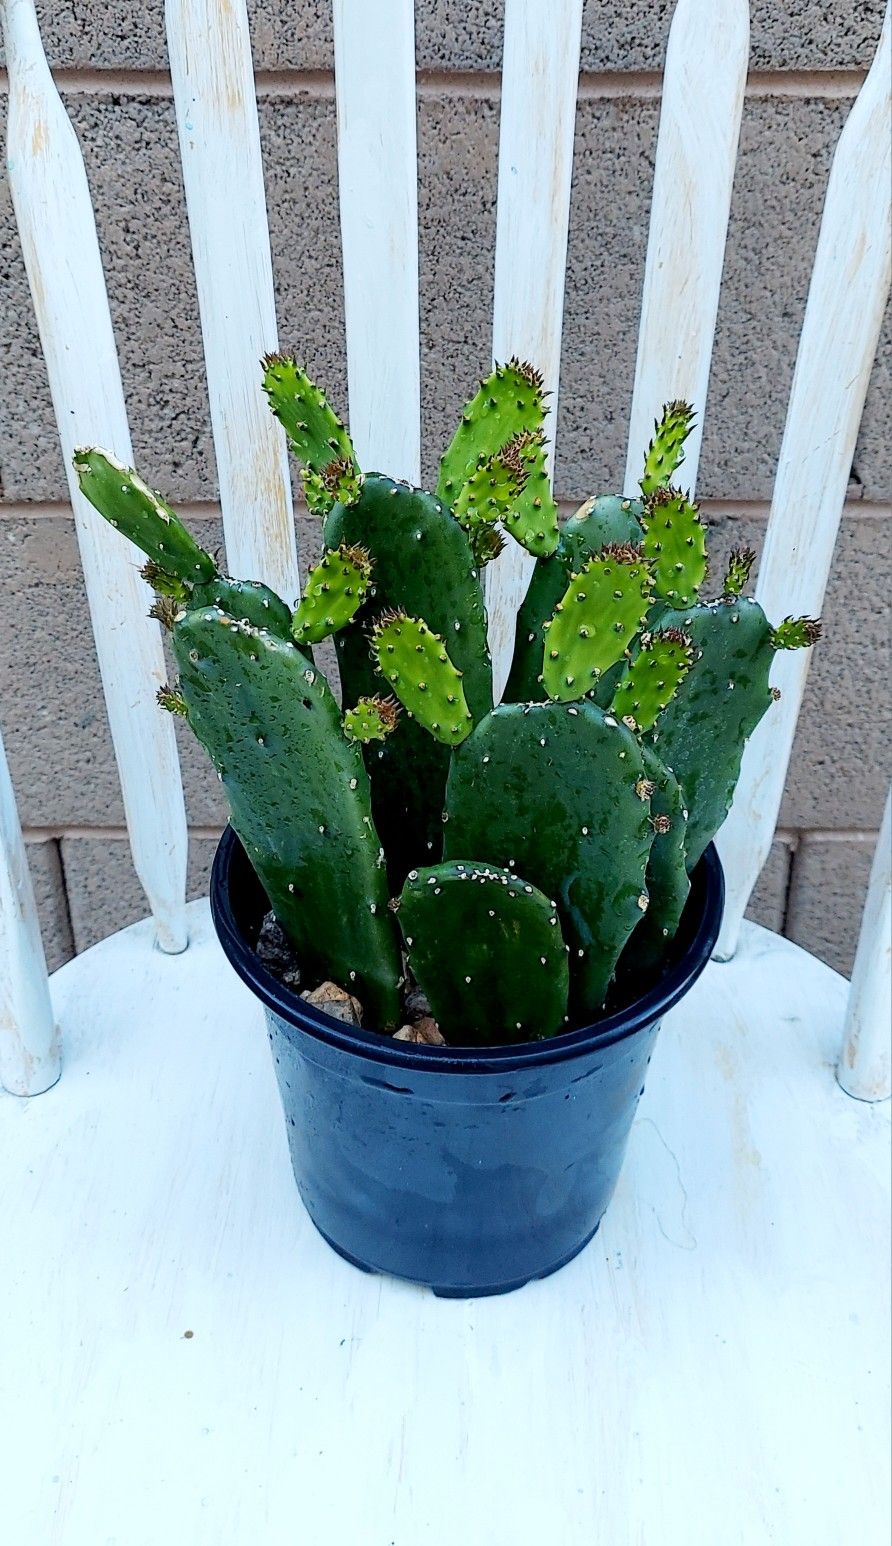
column 796, row 633
column 740, row 562
column 171, row 699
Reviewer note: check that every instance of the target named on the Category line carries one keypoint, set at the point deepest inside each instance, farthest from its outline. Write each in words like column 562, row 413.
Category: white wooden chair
column 184, row 1359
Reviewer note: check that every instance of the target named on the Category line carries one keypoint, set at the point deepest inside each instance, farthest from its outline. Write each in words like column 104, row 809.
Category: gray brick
column 104, row 894
column 52, row 907
column 827, row 895
column 769, row 900
column 467, row 34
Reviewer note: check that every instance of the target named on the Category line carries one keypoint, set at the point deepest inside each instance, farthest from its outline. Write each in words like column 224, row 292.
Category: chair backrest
column 216, row 110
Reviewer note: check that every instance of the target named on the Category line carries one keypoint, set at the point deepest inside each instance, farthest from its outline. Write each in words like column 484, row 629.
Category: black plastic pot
column 470, row 1170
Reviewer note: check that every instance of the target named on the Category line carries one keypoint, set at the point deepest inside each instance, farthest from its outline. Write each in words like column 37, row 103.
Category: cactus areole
column 504, row 899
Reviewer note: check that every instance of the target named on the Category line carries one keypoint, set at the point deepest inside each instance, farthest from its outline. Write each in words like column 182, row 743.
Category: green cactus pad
column 702, row 732
column 333, row 594
column 298, row 795
column 667, row 877
column 652, row 679
column 318, row 438
column 593, row 625
column 796, row 633
column 600, row 522
column 415, row 663
column 248, row 601
column 490, row 491
column 423, row 565
column 675, row 546
column 666, row 451
column 372, row 719
column 740, row 562
column 532, row 519
column 486, row 949
column 511, row 400
column 550, row 791
column 128, row 504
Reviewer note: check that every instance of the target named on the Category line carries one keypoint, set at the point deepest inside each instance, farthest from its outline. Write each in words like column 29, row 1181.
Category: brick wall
column 808, row 60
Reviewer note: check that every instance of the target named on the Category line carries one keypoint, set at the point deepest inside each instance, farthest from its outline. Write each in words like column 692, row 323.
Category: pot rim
column 707, row 892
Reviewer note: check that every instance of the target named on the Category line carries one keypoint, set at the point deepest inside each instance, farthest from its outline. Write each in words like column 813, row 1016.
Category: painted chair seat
column 195, row 1365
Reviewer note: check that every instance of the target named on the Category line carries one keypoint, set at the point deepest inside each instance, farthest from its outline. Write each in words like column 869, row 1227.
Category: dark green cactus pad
column 702, row 733
column 371, row 719
column 557, row 792
column 135, row 510
column 595, row 621
column 415, row 663
column 606, row 519
column 333, row 594
column 740, row 563
column 674, row 546
column 667, row 876
column 486, row 949
column 423, row 565
column 318, row 438
column 666, row 451
column 298, row 795
column 652, row 678
column 248, row 601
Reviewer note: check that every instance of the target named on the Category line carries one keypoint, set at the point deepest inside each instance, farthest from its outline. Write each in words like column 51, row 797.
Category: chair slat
column 865, row 1066
column 216, row 107
column 846, row 299
column 61, row 252
column 378, row 184
column 703, row 83
column 540, row 73
column 29, row 1043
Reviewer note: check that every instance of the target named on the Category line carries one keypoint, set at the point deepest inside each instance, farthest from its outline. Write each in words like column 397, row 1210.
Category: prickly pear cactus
column 333, row 593
column 702, row 733
column 128, row 504
column 557, row 793
column 318, row 438
column 422, row 565
column 415, row 663
column 505, row 420
column 608, row 520
column 665, row 453
column 601, row 611
column 602, row 796
column 298, row 794
column 486, row 949
column 667, row 876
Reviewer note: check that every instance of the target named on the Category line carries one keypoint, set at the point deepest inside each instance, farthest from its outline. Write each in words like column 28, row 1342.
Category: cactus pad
column 318, row 438
column 601, row 611
column 415, row 663
column 548, row 790
column 667, row 877
column 510, row 401
column 298, row 794
column 248, row 601
column 486, row 949
column 740, row 562
column 652, row 678
column 333, row 594
column 372, row 719
column 607, row 519
column 532, row 519
column 796, row 633
column 675, row 546
column 128, row 504
column 666, row 451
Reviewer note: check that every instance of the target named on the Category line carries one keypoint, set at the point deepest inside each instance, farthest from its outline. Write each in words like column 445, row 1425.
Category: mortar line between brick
column 209, row 510
column 793, row 837
column 593, row 85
